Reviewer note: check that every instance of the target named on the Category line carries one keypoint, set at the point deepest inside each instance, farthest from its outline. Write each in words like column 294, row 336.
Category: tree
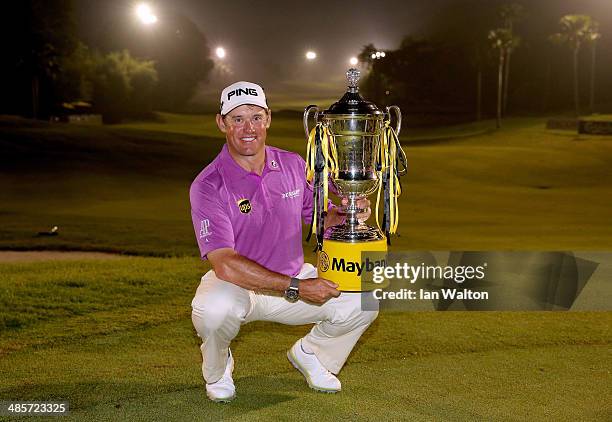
column 122, row 85
column 502, row 40
column 449, row 27
column 365, row 56
column 175, row 44
column 593, row 35
column 434, row 69
column 74, row 81
column 182, row 59
column 575, row 31
column 510, row 14
column 37, row 34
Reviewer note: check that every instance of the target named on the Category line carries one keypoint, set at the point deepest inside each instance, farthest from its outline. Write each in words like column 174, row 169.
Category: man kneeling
column 247, row 208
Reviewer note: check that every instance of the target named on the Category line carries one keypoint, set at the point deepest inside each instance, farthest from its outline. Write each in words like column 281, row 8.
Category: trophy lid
column 352, row 102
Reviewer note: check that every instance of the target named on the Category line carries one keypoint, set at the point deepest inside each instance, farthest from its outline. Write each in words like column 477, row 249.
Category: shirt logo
column 273, row 164
column 291, row 194
column 204, row 225
column 244, row 205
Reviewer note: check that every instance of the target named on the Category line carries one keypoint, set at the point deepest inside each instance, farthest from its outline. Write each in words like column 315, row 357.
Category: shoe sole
column 297, row 366
column 224, row 400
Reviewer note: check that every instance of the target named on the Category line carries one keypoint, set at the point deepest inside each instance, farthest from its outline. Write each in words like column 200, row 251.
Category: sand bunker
column 31, row 256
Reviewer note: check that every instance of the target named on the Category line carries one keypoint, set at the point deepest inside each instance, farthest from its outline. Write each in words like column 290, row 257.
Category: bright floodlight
column 220, row 52
column 382, row 54
column 373, row 55
column 377, row 54
column 145, row 14
column 353, row 61
column 311, row 55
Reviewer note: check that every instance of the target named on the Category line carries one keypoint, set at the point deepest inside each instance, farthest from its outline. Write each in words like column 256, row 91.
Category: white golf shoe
column 317, row 377
column 223, row 390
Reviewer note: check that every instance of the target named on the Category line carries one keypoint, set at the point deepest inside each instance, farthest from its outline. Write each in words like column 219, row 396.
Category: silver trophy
column 356, row 126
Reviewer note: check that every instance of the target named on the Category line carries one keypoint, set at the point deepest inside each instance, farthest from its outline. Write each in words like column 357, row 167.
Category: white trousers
column 219, row 308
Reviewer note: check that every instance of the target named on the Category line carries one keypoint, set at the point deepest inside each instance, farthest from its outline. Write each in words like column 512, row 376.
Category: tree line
column 48, row 67
column 488, row 60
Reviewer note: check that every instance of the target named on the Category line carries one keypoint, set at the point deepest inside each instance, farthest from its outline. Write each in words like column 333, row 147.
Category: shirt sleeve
column 211, row 222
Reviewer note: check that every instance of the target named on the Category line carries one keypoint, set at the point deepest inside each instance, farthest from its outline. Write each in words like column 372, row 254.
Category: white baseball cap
column 241, row 93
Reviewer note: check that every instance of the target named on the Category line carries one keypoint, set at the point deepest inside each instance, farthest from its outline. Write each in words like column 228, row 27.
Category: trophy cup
column 353, row 146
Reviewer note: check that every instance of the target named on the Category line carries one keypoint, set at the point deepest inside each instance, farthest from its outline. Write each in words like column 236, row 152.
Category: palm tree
column 593, row 35
column 502, row 40
column 510, row 14
column 513, row 44
column 575, row 31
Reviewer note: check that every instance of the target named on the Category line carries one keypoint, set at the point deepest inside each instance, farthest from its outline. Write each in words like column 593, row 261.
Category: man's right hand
column 318, row 290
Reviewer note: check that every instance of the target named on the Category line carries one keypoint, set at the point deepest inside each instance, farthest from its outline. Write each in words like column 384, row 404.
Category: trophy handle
column 398, row 127
column 398, row 114
column 307, row 112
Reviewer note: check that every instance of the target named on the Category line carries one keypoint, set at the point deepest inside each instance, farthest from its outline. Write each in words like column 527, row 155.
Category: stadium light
column 145, row 14
column 378, row 55
column 353, row 61
column 220, row 52
column 311, row 55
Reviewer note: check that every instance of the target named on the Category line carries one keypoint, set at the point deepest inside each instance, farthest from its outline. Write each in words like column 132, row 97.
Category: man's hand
column 364, row 204
column 318, row 290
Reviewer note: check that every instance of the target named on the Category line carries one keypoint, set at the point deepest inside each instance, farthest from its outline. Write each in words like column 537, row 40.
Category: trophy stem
column 352, row 210
column 353, row 230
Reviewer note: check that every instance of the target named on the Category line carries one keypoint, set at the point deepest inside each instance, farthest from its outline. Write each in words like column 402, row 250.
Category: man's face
column 245, row 129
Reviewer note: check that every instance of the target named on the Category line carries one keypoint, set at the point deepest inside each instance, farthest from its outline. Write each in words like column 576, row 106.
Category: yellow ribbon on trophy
column 388, row 162
column 320, row 140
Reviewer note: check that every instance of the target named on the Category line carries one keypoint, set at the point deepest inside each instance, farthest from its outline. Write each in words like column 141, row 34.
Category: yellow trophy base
column 341, row 263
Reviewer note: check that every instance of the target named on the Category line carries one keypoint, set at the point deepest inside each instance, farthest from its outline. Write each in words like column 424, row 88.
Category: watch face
column 292, row 295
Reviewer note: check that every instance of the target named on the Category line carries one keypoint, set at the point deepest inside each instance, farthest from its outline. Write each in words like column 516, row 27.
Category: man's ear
column 269, row 119
column 221, row 123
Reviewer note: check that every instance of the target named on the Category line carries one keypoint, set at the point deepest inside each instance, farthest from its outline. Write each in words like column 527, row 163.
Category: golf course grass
column 114, row 337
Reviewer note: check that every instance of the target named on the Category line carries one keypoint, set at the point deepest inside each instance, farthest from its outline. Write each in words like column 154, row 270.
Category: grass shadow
column 143, row 400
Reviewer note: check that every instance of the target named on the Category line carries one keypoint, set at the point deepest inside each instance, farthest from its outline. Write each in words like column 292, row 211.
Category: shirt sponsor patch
column 244, row 205
column 204, row 229
column 290, row 194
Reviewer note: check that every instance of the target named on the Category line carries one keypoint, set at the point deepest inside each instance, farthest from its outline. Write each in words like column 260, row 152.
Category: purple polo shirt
column 260, row 217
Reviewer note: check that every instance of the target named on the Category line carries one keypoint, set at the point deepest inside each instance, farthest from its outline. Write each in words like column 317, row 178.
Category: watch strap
column 295, row 283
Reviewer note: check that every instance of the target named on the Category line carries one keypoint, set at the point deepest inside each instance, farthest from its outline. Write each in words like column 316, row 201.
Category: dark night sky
column 266, row 40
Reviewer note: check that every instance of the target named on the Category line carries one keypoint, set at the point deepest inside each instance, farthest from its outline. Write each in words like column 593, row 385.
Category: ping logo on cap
column 244, row 205
column 241, row 91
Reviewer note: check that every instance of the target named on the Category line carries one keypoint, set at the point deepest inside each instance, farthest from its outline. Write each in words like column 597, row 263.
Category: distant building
column 78, row 112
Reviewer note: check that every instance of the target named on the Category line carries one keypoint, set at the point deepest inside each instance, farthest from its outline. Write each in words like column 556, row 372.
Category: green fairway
column 115, row 337
column 125, row 188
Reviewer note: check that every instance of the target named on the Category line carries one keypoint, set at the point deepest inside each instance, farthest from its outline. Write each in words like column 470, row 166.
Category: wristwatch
column 292, row 294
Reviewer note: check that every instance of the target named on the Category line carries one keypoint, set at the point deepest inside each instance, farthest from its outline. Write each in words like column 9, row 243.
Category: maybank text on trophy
column 354, row 146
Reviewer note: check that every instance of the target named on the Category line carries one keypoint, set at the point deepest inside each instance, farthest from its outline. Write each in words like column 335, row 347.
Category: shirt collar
column 234, row 172
column 272, row 159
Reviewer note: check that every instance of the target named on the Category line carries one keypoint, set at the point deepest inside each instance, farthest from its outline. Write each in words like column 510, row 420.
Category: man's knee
column 367, row 316
column 214, row 310
column 360, row 310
